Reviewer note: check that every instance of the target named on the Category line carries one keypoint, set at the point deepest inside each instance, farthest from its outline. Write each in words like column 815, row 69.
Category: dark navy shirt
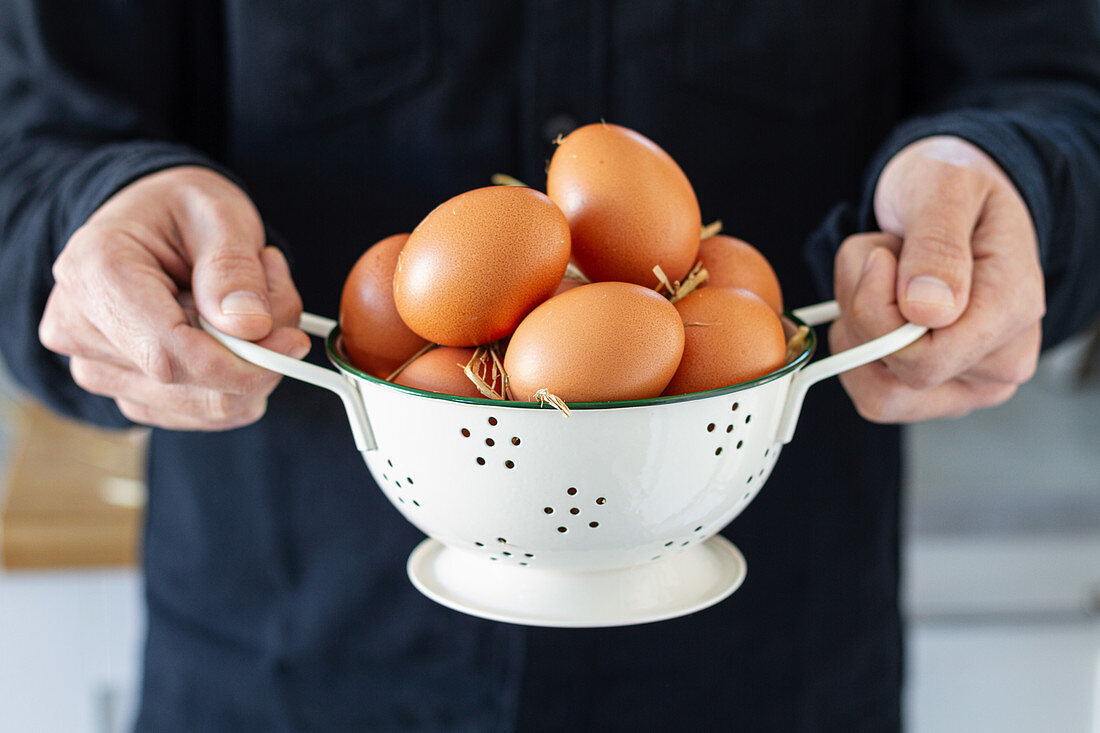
column 275, row 569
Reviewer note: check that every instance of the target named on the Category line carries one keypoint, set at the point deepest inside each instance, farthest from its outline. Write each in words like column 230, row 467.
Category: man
column 157, row 153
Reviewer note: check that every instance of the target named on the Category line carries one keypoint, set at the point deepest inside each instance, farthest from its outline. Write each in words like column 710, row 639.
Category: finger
column 879, row 396
column 873, row 309
column 286, row 303
column 64, row 329
column 1013, row 363
column 195, row 403
column 136, row 306
column 851, row 263
column 168, row 420
column 223, row 236
column 123, row 290
column 936, row 261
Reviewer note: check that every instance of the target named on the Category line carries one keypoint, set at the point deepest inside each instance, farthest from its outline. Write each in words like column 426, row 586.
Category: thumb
column 933, row 194
column 228, row 278
column 936, row 263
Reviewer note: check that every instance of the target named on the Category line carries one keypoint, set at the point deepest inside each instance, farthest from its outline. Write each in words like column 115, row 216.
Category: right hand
column 127, row 287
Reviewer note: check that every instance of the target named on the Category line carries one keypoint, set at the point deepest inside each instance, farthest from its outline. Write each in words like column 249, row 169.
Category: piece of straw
column 710, row 229
column 546, row 397
column 423, row 350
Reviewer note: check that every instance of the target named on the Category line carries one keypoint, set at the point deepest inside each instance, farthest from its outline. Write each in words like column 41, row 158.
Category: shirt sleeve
column 85, row 112
column 1020, row 80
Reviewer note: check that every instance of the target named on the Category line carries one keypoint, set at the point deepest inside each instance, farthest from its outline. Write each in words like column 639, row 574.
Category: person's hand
column 958, row 253
column 128, row 283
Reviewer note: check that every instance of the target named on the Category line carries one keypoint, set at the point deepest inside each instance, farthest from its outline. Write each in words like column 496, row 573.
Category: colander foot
column 674, row 586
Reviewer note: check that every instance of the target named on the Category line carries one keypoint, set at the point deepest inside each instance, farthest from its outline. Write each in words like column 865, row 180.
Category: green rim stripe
column 803, row 358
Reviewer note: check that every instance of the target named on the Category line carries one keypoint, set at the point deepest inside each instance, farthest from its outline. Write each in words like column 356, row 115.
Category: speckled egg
column 375, row 338
column 733, row 263
column 594, row 343
column 629, row 205
column 732, row 336
column 440, row 370
column 478, row 263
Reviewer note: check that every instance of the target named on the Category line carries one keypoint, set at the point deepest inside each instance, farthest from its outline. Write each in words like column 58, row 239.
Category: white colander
column 607, row 517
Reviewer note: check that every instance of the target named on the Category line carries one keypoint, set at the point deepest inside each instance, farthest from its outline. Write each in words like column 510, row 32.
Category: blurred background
column 1001, row 556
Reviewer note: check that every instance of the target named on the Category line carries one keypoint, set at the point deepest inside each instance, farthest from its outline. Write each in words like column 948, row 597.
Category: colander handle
column 306, row 372
column 857, row 356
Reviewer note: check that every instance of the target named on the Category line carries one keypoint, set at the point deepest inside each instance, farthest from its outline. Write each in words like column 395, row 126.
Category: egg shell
column 478, row 263
column 597, row 342
column 440, row 370
column 734, row 263
column 375, row 338
column 629, row 205
column 732, row 336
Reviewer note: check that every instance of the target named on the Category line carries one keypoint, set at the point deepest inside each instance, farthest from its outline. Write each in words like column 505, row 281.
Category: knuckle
column 1017, row 371
column 63, row 266
column 69, row 264
column 879, row 406
column 232, row 262
column 84, row 374
column 940, row 243
column 920, row 375
column 239, row 413
column 1036, row 310
column 217, row 406
column 52, row 336
column 155, row 361
column 132, row 411
column 997, row 395
column 955, row 182
column 257, row 383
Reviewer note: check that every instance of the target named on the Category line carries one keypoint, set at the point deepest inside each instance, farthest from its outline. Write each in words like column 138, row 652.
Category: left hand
column 959, row 254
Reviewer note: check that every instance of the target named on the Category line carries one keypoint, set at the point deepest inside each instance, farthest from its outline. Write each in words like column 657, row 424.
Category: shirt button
column 560, row 124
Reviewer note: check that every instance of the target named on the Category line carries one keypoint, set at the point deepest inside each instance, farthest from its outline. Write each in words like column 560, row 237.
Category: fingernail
column 867, row 263
column 931, row 290
column 244, row 303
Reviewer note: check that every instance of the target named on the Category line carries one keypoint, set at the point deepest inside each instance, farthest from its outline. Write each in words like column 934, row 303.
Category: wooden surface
column 72, row 495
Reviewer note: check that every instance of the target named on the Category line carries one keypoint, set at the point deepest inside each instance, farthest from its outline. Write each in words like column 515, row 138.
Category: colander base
column 689, row 581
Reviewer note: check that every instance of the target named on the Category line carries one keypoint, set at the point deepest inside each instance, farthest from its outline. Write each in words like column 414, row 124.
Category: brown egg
column 477, row 264
column 440, row 370
column 732, row 336
column 629, row 205
column 732, row 263
column 598, row 342
column 375, row 338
